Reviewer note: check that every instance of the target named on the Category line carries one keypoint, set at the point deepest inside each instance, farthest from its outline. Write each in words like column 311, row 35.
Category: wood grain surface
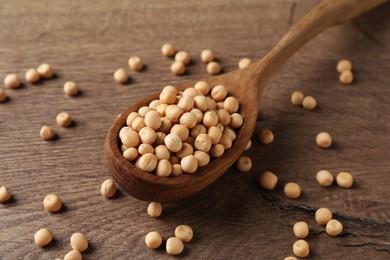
column 86, row 41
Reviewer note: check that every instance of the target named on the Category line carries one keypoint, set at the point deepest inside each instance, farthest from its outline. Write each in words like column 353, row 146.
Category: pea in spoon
column 246, row 85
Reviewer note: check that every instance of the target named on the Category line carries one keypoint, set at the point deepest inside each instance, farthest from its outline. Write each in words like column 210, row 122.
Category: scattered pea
column 130, row 153
column 154, row 104
column 344, row 180
column 147, row 162
column 188, row 120
column 290, row 258
column 324, row 140
column 202, row 157
column 70, row 88
column 173, row 113
column 207, row 56
column 292, row 190
column 213, row 68
column 12, row 81
column 190, row 92
column 181, row 131
column 154, row 209
column 32, row 76
column 168, row 50
column 143, row 110
column 324, row 178
column 334, row 227
column 186, row 103
column 47, row 132
column 147, row 135
column 244, row 62
column 184, row 233
column 210, row 118
column 4, row 194
column 138, row 124
column 168, row 95
column 217, row 150
column 220, row 104
column 176, row 170
column 145, row 148
column 45, row 70
column 323, row 215
column 164, row 168
column 183, row 56
column 229, row 133
column 236, row 120
column 161, row 152
column 166, row 125
column 197, row 130
column 153, row 240
column 174, row 246
column 135, row 63
column 309, row 103
column 121, row 76
column 201, row 103
column 266, row 136
column 129, row 137
column 173, row 142
column 189, row 164
column 79, row 242
column 52, row 203
column 198, row 114
column 203, row 87
column 160, row 138
column 64, row 119
column 211, row 104
column 244, row 164
column 215, row 134
column 108, row 188
column 344, row 65
column 297, row 98
column 346, row 77
column 43, row 237
column 73, row 255
column 153, row 119
column 203, row 142
column 268, row 180
column 123, row 149
column 231, row 105
column 219, row 93
column 185, row 150
column 301, row 248
column 301, row 229
column 226, row 141
column 173, row 159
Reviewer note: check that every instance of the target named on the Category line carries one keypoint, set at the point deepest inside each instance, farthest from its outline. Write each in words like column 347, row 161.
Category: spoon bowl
column 246, row 85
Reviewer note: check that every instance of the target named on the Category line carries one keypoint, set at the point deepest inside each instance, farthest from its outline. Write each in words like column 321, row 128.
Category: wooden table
column 234, row 218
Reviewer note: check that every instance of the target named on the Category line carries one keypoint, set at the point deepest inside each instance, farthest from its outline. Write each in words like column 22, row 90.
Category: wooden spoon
column 246, row 85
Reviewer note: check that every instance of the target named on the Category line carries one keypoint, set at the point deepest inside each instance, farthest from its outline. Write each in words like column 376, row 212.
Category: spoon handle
column 326, row 14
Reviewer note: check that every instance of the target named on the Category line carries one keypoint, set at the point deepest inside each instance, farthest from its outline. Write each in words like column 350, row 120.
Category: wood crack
column 368, row 244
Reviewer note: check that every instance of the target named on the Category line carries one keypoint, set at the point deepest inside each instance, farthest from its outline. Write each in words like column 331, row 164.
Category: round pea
column 79, row 242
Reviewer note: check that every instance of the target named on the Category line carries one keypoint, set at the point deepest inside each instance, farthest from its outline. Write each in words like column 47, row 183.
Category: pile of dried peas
column 181, row 131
